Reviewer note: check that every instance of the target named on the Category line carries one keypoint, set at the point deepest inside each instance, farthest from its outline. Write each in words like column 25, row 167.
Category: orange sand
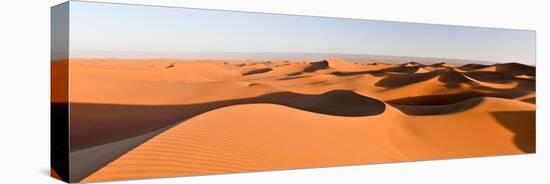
column 419, row 112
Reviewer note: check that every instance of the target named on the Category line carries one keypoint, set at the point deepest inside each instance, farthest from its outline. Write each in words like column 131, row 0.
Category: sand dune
column 510, row 85
column 133, row 124
column 222, row 141
column 516, row 69
column 93, row 125
column 210, row 143
column 165, row 117
column 474, row 132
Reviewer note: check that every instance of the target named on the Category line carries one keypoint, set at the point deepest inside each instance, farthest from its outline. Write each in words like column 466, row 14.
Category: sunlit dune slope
column 224, row 140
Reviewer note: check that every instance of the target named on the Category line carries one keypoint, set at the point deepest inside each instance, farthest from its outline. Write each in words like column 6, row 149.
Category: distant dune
column 146, row 118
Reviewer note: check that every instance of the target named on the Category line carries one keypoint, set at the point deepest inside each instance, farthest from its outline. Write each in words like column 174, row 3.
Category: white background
column 24, row 90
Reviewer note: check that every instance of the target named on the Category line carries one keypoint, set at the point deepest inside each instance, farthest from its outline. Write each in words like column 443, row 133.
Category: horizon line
column 159, row 55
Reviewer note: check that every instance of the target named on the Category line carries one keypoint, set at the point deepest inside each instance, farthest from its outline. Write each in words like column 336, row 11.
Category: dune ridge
column 383, row 138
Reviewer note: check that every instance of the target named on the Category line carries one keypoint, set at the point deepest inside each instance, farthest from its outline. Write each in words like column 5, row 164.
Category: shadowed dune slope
column 516, row 69
column 522, row 123
column 257, row 71
column 435, row 109
column 471, row 132
column 86, row 161
column 446, row 104
column 314, row 66
column 399, row 80
column 472, row 66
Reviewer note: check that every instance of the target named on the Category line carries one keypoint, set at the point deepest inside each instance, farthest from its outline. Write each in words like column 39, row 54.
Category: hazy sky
column 114, row 30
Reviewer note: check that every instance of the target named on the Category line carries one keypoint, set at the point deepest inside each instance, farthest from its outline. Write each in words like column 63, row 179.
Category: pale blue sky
column 116, row 30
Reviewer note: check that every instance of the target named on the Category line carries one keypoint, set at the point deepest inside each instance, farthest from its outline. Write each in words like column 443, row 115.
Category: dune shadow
column 398, row 80
column 294, row 73
column 448, row 76
column 505, row 68
column 404, row 75
column 435, row 99
column 436, row 104
column 523, row 125
column 453, row 78
column 100, row 133
column 258, row 71
column 493, row 77
column 472, row 66
column 401, row 69
column 516, row 69
column 532, row 100
column 394, row 76
column 314, row 66
column 438, row 65
column 446, row 104
column 381, row 72
column 338, row 73
column 503, row 78
column 424, row 110
column 293, row 77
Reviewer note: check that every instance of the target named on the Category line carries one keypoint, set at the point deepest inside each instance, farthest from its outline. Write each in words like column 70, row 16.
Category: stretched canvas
column 149, row 91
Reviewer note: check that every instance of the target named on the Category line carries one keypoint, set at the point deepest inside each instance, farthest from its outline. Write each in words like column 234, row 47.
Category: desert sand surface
column 144, row 118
